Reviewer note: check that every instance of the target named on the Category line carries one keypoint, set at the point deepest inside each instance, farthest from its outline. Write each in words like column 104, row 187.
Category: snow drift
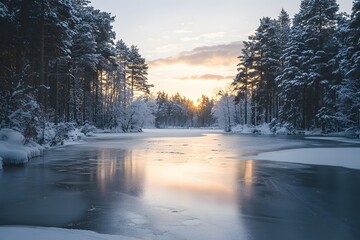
column 12, row 148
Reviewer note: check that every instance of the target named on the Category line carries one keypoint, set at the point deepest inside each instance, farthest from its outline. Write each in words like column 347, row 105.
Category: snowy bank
column 287, row 129
column 12, row 148
column 250, row 129
column 337, row 139
column 341, row 157
column 42, row 233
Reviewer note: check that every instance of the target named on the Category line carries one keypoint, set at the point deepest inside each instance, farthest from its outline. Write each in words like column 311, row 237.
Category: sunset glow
column 186, row 47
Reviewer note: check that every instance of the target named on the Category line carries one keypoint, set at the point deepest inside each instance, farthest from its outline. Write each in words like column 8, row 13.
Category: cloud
column 207, row 77
column 216, row 55
column 182, row 31
column 214, row 35
column 167, row 48
column 189, row 39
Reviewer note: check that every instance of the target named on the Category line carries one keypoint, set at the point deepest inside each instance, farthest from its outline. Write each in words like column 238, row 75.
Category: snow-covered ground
column 342, row 157
column 337, row 139
column 42, row 233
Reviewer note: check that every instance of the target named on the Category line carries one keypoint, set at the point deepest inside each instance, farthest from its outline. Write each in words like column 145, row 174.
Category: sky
column 191, row 46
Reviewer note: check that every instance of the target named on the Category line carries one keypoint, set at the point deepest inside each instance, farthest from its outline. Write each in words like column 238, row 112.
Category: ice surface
column 342, row 157
column 42, row 233
column 184, row 184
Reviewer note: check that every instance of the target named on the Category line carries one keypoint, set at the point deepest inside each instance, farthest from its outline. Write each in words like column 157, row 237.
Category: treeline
column 179, row 111
column 303, row 72
column 59, row 63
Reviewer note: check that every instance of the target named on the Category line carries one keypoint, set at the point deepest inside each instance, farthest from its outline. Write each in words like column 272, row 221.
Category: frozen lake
column 184, row 184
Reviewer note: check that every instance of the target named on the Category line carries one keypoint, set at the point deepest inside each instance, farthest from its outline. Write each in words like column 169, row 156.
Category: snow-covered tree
column 139, row 114
column 349, row 70
column 260, row 63
column 307, row 79
column 138, row 70
column 19, row 109
column 224, row 110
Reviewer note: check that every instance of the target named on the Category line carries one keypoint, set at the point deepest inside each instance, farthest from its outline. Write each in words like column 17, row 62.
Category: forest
column 60, row 69
column 302, row 73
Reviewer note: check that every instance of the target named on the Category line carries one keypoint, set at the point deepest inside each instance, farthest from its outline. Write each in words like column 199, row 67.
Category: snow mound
column 42, row 233
column 12, row 149
column 340, row 157
column 11, row 136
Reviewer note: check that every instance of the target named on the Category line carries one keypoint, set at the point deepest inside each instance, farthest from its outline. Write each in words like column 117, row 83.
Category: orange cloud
column 207, row 77
column 217, row 55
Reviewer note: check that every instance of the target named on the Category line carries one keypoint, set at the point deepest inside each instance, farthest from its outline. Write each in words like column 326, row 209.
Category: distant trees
column 204, row 112
column 306, row 74
column 179, row 111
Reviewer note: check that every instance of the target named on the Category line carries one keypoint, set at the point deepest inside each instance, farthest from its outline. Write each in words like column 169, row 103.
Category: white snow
column 76, row 135
column 337, row 139
column 12, row 149
column 342, row 157
column 11, row 136
column 250, row 129
column 42, row 233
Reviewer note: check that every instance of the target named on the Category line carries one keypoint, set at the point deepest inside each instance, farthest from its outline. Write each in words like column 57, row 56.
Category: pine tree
column 137, row 78
column 318, row 21
column 307, row 66
column 259, row 65
column 349, row 69
column 122, row 59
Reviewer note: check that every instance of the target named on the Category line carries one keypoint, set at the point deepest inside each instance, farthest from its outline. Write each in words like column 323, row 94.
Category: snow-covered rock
column 11, row 136
column 12, row 148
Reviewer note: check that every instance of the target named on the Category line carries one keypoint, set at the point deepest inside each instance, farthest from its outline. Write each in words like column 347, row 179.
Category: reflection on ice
column 168, row 187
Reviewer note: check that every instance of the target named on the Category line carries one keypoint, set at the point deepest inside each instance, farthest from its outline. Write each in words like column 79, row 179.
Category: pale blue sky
column 166, row 28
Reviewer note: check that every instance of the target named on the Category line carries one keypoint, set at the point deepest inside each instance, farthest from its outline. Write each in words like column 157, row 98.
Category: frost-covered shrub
column 88, row 129
column 279, row 128
column 75, row 135
column 284, row 129
column 353, row 132
column 140, row 113
column 57, row 134
column 224, row 112
column 18, row 108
